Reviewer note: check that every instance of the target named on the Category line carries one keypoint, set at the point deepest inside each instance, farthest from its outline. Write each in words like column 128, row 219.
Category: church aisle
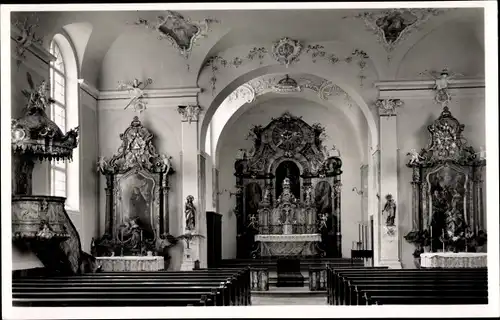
column 288, row 296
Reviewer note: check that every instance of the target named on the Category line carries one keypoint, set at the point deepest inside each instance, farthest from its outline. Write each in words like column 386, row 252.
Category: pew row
column 220, row 287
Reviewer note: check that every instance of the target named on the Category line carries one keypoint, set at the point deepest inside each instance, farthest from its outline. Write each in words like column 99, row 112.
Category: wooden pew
column 372, row 274
column 348, row 285
column 159, row 288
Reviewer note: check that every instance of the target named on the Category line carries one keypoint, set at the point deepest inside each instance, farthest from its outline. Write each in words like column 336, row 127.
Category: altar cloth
column 453, row 260
column 287, row 244
column 131, row 263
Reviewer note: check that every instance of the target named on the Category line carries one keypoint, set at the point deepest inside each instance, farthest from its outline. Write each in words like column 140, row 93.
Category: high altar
column 288, row 192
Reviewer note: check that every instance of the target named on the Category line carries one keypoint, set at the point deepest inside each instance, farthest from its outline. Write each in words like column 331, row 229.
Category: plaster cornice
column 396, row 85
column 422, row 89
column 88, row 88
column 151, row 94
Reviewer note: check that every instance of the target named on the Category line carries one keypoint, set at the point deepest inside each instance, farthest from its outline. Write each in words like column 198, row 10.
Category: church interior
column 239, row 157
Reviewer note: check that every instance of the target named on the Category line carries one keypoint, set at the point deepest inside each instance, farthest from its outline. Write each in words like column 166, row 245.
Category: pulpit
column 288, row 192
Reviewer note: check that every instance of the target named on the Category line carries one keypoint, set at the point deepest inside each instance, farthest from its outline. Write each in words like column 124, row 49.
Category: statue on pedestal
column 190, row 212
column 390, row 210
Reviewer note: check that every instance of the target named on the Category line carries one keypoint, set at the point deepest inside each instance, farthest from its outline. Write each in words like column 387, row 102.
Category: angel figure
column 26, row 38
column 102, row 164
column 136, row 93
column 415, row 157
column 441, row 83
column 253, row 222
column 323, row 218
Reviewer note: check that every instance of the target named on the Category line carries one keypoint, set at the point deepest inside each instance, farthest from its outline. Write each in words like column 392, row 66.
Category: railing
column 296, row 229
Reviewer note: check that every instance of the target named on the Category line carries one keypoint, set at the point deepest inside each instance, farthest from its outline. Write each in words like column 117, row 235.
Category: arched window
column 64, row 175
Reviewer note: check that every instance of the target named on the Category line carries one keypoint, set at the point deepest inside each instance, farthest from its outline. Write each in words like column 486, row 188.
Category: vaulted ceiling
column 94, row 33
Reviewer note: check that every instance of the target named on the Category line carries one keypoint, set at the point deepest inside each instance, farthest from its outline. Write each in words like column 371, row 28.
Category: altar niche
column 288, row 192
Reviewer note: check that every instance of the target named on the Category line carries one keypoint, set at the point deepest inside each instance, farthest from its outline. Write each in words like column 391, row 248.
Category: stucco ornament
column 287, row 85
column 180, row 31
column 286, row 51
column 245, row 93
column 136, row 92
column 394, row 25
column 26, row 37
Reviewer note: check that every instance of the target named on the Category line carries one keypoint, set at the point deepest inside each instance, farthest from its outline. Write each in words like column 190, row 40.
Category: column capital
column 189, row 113
column 387, row 107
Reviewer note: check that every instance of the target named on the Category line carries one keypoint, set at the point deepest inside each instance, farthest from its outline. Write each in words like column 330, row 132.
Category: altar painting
column 447, row 188
column 135, row 200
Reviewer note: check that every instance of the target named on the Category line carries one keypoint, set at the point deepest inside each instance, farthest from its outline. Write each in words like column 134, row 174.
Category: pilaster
column 190, row 183
column 388, row 233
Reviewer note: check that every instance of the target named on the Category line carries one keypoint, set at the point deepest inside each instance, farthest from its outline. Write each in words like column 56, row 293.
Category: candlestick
column 443, row 239
column 431, row 235
column 359, row 232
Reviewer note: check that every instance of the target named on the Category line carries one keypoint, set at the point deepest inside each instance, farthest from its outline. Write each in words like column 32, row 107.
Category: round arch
column 234, row 84
column 242, row 107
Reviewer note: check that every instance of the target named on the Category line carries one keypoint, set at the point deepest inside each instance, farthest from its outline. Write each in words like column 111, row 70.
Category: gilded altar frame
column 136, row 170
column 286, row 138
column 447, row 175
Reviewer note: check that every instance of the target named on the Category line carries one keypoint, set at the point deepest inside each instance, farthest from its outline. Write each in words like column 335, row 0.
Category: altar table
column 131, row 263
column 287, row 244
column 453, row 260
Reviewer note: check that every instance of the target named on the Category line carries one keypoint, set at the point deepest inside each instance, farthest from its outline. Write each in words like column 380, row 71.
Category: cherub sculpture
column 415, row 157
column 137, row 94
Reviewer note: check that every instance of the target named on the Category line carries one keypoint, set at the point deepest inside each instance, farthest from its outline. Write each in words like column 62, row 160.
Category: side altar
column 288, row 192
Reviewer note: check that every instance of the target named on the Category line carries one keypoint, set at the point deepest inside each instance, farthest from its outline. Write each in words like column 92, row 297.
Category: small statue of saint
column 390, row 210
column 190, row 213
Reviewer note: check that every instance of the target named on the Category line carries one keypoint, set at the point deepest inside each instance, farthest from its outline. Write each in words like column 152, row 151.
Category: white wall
column 338, row 131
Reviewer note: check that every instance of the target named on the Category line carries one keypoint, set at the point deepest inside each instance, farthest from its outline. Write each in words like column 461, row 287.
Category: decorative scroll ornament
column 216, row 63
column 35, row 134
column 189, row 113
column 286, row 85
column 180, row 31
column 137, row 151
column 441, row 83
column 446, row 143
column 394, row 25
column 137, row 94
column 286, row 51
column 387, row 107
column 26, row 38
